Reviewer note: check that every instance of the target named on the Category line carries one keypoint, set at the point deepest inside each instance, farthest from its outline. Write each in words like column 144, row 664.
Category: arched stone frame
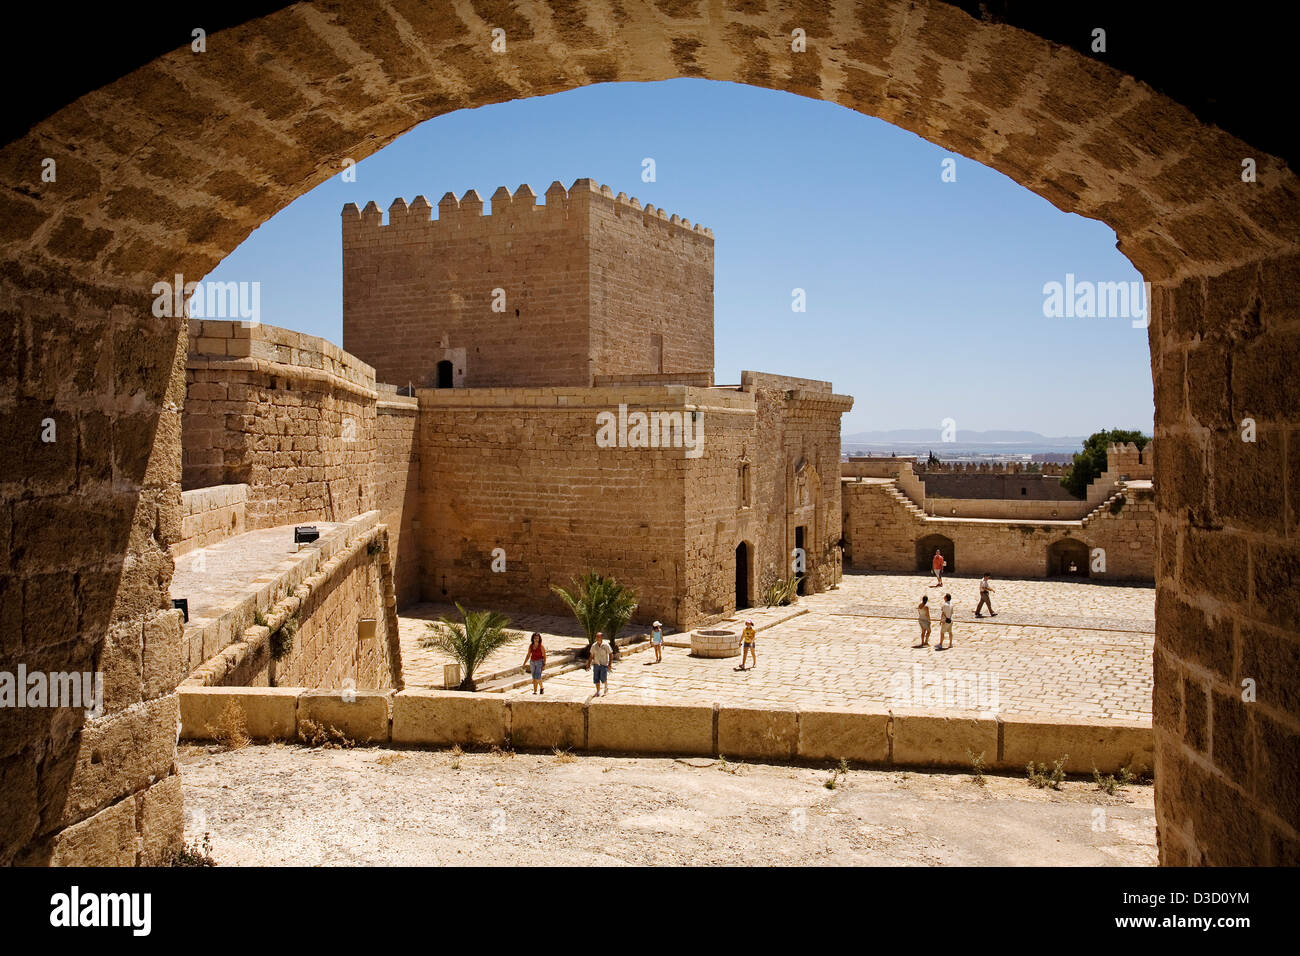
column 201, row 150
column 1074, row 547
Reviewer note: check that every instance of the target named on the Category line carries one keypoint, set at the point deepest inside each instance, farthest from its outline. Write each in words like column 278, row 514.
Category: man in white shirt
column 598, row 661
column 985, row 591
column 945, row 622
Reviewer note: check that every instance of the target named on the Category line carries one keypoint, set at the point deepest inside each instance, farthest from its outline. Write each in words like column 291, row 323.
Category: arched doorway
column 443, row 374
column 255, row 132
column 1067, row 558
column 926, row 547
column 801, row 548
column 742, row 576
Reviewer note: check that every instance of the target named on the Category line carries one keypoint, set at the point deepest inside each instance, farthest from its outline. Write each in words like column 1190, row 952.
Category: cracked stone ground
column 288, row 804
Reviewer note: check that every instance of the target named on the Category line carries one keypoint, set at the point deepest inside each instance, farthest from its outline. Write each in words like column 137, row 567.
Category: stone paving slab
column 1006, row 617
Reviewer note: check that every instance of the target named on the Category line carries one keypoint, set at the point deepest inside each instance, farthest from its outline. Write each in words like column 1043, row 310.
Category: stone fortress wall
column 985, row 491
column 886, row 530
column 590, row 284
column 292, row 416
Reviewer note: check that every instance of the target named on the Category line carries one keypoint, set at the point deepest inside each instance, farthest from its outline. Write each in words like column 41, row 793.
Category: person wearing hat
column 657, row 641
column 747, row 645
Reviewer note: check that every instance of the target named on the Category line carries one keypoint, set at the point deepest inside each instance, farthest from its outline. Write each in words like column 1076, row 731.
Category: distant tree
column 933, row 460
column 1091, row 462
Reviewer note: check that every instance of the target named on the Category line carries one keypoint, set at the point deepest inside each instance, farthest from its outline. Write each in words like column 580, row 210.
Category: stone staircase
column 903, row 500
column 1096, row 512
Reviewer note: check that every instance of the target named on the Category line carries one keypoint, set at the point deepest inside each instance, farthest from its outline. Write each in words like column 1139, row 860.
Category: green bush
column 1091, row 462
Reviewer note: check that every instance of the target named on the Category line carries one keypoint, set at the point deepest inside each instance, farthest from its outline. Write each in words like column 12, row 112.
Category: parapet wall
column 328, row 592
column 209, row 515
column 290, row 415
column 420, row 717
column 515, row 212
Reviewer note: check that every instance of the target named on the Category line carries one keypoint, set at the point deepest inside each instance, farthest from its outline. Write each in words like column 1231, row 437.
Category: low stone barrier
column 894, row 739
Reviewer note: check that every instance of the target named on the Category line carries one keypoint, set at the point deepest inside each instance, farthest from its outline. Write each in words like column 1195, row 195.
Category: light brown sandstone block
column 162, row 820
column 449, row 717
column 930, row 740
column 650, row 728
column 270, row 713
column 758, row 733
column 108, row 838
column 834, row 733
column 1107, row 747
column 548, row 723
column 120, row 754
column 362, row 715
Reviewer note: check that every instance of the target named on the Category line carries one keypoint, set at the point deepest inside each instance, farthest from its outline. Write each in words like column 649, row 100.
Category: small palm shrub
column 599, row 604
column 471, row 641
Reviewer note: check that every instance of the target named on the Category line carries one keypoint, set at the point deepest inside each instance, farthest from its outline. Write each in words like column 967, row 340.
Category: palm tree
column 580, row 603
column 599, row 604
column 470, row 643
column 617, row 604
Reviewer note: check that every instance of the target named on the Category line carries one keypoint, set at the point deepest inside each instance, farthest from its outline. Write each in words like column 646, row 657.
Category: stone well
column 715, row 642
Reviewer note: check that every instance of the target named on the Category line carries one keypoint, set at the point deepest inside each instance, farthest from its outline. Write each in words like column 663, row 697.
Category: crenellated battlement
column 510, row 213
column 1125, row 458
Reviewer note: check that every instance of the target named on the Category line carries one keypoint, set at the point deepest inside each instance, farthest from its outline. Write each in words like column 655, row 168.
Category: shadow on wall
column 95, row 502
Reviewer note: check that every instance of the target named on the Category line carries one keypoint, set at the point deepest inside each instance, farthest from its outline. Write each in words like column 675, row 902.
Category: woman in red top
column 536, row 660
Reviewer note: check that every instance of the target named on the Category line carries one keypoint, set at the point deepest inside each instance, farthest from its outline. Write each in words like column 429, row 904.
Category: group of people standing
column 938, row 563
column 599, row 657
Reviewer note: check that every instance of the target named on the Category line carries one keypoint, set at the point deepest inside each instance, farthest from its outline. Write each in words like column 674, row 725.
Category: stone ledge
column 441, row 718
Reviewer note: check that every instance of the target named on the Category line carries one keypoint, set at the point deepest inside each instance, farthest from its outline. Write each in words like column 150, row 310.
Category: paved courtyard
column 422, row 666
column 1090, row 657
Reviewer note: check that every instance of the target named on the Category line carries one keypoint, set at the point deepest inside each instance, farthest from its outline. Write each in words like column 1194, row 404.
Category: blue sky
column 924, row 298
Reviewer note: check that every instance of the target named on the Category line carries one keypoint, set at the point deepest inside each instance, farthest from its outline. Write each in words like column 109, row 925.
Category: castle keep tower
column 588, row 284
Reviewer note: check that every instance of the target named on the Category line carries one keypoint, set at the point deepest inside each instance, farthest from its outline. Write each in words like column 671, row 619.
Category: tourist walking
column 945, row 622
column 598, row 661
column 535, row 661
column 923, row 615
column 985, row 591
column 657, row 641
column 937, row 564
column 747, row 646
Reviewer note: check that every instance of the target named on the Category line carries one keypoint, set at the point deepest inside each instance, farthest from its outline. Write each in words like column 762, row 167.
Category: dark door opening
column 803, row 553
column 444, row 378
column 925, row 549
column 742, row 575
column 1068, row 558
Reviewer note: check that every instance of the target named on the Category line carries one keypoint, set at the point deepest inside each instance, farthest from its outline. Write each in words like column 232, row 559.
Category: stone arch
column 925, row 548
column 200, row 151
column 1062, row 554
